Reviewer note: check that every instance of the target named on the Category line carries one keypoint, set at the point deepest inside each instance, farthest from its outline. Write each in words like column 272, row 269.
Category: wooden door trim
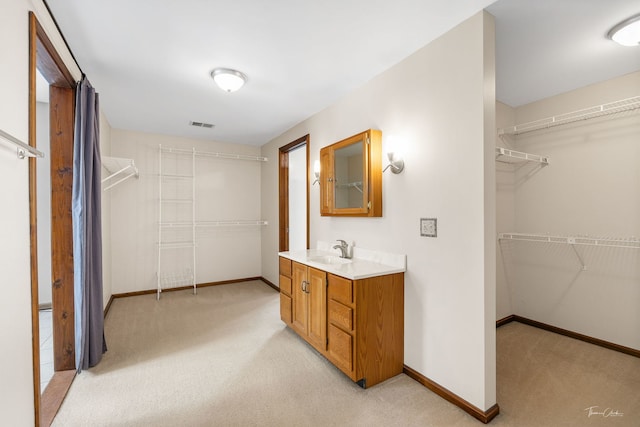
column 33, row 214
column 62, row 293
column 283, row 184
column 43, row 56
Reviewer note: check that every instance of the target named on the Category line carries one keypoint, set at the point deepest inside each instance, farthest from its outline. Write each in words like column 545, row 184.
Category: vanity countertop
column 364, row 264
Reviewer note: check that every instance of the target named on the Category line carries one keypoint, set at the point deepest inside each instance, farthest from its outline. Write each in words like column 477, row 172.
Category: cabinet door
column 341, row 349
column 317, row 295
column 299, row 297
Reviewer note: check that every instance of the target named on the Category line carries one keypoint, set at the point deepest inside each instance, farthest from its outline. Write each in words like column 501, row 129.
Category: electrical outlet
column 429, row 227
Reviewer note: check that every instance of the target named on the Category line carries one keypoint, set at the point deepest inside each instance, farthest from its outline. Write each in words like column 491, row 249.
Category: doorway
column 43, row 200
column 44, row 58
column 294, row 195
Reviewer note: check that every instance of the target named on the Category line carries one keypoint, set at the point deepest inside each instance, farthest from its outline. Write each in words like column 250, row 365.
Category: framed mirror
column 351, row 176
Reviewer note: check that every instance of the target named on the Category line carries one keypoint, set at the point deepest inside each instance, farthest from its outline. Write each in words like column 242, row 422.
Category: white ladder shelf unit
column 185, row 239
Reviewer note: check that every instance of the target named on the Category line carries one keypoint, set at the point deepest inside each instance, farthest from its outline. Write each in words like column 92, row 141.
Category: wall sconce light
column 316, row 171
column 627, row 32
column 396, row 163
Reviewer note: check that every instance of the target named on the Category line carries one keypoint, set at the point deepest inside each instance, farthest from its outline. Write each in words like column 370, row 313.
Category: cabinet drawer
column 341, row 349
column 340, row 315
column 285, row 284
column 340, row 289
column 285, row 267
column 285, row 309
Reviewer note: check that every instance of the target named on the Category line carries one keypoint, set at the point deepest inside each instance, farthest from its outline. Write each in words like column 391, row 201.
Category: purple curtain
column 87, row 229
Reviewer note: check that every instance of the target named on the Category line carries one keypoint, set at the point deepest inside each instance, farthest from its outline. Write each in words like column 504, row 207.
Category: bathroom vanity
column 350, row 310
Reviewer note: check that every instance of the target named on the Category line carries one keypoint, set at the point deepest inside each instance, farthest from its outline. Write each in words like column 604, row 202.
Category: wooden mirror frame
column 371, row 179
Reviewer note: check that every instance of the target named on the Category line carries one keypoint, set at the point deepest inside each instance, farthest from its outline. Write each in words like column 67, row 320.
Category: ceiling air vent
column 202, row 125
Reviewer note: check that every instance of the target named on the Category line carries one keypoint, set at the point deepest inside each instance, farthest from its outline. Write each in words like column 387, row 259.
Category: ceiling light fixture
column 626, row 33
column 227, row 79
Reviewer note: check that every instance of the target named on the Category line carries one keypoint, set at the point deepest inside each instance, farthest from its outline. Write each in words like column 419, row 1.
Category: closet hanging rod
column 601, row 110
column 214, row 154
column 24, row 150
column 632, row 243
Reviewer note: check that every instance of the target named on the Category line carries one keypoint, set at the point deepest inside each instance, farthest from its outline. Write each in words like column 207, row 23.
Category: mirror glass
column 348, row 170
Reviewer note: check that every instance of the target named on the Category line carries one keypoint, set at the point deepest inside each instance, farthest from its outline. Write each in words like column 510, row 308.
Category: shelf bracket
column 572, row 243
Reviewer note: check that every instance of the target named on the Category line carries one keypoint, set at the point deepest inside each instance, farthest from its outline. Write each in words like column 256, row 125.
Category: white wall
column 105, row 150
column 298, row 199
column 225, row 190
column 16, row 401
column 441, row 103
column 589, row 188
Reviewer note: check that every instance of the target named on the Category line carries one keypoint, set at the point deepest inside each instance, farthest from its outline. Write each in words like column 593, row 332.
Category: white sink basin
column 328, row 259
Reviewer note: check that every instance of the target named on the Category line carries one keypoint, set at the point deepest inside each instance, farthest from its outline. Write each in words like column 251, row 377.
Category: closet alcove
column 188, row 206
column 568, row 213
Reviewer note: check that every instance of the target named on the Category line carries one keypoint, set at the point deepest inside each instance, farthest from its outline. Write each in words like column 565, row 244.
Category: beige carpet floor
column 224, row 358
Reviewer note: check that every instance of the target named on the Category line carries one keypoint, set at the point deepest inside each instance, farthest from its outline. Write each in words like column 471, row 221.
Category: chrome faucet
column 344, row 249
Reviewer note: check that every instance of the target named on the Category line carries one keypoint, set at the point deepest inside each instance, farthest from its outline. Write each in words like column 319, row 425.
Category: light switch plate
column 429, row 227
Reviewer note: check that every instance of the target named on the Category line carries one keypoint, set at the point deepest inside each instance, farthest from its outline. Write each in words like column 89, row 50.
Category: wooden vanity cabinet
column 358, row 325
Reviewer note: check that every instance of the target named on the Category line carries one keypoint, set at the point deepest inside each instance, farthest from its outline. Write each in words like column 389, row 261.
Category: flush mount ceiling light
column 626, row 33
column 227, row 79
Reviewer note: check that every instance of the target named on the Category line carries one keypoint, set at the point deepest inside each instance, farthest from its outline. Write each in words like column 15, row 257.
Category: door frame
column 44, row 57
column 283, row 184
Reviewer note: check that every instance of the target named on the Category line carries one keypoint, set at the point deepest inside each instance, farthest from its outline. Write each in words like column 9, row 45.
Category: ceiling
column 547, row 47
column 150, row 60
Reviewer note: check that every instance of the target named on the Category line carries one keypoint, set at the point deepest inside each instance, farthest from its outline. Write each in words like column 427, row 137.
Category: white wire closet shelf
column 601, row 110
column 120, row 168
column 506, row 155
column 631, row 242
column 176, row 244
column 213, row 154
column 228, row 223
column 23, row 150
